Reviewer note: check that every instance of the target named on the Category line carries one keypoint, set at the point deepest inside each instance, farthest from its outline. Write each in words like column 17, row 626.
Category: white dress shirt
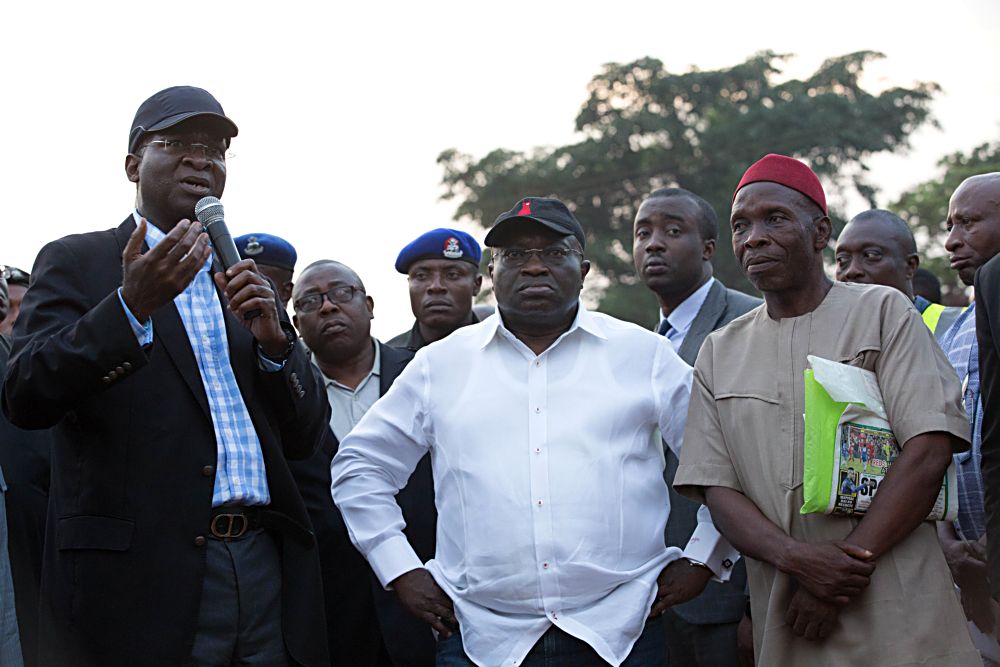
column 548, row 476
column 682, row 317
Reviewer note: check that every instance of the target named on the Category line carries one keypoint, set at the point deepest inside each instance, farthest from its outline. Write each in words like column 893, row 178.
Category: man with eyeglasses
column 17, row 285
column 442, row 270
column 365, row 623
column 174, row 393
column 551, row 511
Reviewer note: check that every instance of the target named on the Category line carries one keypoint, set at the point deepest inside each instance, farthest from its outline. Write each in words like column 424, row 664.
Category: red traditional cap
column 786, row 171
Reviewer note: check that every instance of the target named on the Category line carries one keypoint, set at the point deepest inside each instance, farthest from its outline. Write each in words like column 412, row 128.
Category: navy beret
column 440, row 243
column 267, row 249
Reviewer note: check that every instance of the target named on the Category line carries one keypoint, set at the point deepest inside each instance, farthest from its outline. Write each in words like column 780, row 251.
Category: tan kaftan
column 745, row 431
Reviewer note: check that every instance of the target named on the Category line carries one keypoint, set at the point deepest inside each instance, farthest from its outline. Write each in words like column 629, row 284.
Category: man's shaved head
column 877, row 248
column 974, row 224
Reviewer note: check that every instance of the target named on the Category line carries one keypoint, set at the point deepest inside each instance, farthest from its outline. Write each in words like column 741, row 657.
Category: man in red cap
column 824, row 590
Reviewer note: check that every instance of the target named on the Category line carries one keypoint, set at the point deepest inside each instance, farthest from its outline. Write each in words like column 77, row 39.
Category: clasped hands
column 828, row 576
column 153, row 279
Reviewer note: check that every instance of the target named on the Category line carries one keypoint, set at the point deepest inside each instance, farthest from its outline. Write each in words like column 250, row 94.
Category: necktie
column 664, row 327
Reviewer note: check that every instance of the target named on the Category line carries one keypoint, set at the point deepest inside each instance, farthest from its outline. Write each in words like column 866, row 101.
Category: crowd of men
column 191, row 476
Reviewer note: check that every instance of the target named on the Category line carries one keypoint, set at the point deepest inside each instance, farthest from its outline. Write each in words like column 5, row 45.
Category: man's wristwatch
column 291, row 335
column 697, row 563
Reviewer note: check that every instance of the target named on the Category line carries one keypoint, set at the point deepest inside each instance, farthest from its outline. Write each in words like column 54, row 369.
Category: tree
column 643, row 127
column 925, row 207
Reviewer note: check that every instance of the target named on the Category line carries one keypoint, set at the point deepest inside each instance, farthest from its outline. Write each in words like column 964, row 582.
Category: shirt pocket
column 865, row 358
column 751, row 419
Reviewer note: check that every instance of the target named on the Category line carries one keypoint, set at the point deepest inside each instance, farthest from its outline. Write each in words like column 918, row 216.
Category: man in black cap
column 275, row 258
column 550, row 518
column 442, row 269
column 172, row 409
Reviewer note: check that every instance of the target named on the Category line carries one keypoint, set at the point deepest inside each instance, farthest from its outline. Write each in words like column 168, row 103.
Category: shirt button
column 538, row 450
column 539, row 503
column 199, row 541
column 127, row 365
column 537, row 410
column 207, row 471
column 538, row 363
column 545, row 566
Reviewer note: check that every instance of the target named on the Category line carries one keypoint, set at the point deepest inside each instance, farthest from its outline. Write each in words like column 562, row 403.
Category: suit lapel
column 169, row 332
column 704, row 322
column 393, row 362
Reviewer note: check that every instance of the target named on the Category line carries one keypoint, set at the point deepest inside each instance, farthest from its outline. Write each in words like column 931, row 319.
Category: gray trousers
column 239, row 620
column 711, row 645
column 10, row 641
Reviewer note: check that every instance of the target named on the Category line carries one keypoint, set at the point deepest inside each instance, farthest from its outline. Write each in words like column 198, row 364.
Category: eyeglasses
column 313, row 302
column 178, row 148
column 554, row 255
column 12, row 274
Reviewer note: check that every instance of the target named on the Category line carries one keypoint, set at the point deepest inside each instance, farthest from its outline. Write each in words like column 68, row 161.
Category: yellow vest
column 932, row 315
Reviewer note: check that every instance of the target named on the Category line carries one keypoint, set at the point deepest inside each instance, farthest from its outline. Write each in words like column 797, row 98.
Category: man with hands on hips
column 550, row 516
column 172, row 413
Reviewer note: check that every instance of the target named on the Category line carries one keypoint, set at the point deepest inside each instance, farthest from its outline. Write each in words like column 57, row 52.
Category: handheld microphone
column 211, row 215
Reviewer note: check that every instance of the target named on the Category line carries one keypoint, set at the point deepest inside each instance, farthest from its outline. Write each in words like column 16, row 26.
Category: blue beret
column 440, row 243
column 267, row 249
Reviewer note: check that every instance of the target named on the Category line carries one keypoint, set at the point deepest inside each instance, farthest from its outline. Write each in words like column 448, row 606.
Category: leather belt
column 230, row 522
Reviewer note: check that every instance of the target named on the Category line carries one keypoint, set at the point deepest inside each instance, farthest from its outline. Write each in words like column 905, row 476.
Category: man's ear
column 707, row 250
column 584, row 269
column 370, row 302
column 823, row 232
column 912, row 264
column 477, row 285
column 295, row 322
column 132, row 167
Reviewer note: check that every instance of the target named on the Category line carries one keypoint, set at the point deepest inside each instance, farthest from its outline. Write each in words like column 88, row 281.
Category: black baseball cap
column 546, row 211
column 175, row 105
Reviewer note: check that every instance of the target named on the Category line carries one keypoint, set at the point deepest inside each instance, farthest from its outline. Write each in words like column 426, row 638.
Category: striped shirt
column 959, row 343
column 240, row 477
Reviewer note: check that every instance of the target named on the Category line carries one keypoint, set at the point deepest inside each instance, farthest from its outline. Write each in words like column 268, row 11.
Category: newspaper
column 848, row 406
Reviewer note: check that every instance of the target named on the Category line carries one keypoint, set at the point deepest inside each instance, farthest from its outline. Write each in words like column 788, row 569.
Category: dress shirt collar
column 376, row 371
column 683, row 315
column 584, row 321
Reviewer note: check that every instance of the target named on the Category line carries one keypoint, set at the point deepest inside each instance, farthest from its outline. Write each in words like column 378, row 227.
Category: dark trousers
column 239, row 621
column 558, row 649
column 712, row 645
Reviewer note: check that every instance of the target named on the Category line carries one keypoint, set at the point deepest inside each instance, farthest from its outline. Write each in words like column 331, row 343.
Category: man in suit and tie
column 365, row 623
column 673, row 242
column 174, row 392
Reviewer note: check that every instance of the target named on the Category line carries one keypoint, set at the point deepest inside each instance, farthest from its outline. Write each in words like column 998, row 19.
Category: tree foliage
column 643, row 127
column 925, row 207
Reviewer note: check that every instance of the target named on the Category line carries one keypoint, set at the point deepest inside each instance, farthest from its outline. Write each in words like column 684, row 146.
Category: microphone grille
column 209, row 210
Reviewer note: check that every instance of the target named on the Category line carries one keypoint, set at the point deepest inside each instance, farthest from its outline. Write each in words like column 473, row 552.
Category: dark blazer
column 719, row 603
column 365, row 623
column 133, row 464
column 988, row 333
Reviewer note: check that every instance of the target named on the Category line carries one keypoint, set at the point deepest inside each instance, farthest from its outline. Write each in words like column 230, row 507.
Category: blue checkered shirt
column 240, row 477
column 959, row 343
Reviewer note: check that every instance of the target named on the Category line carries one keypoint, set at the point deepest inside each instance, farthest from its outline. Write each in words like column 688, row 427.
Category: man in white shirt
column 551, row 511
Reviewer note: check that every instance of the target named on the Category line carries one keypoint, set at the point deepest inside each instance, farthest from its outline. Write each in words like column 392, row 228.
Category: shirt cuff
column 392, row 558
column 143, row 332
column 267, row 365
column 709, row 547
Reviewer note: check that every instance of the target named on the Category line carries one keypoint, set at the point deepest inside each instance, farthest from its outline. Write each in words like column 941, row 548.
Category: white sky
column 343, row 110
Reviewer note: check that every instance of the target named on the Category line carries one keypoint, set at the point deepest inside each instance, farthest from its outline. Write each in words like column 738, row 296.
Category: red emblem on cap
column 525, row 208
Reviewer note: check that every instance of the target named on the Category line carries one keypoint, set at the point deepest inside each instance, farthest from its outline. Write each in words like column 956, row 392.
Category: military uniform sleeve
column 920, row 389
column 705, row 459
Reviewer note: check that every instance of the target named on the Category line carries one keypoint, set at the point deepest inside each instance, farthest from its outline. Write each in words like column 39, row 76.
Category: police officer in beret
column 442, row 268
column 275, row 258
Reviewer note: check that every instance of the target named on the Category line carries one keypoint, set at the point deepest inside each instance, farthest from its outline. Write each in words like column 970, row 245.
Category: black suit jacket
column 719, row 603
column 133, row 463
column 988, row 333
column 365, row 623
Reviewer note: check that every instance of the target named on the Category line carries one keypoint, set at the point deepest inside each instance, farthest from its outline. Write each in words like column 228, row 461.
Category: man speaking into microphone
column 175, row 392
